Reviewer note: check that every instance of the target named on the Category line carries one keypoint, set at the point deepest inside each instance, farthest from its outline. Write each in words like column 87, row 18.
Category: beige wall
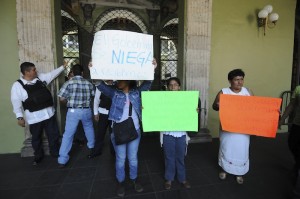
column 11, row 135
column 238, row 43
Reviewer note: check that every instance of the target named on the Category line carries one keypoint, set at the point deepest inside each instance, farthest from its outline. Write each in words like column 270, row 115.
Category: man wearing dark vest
column 30, row 97
column 102, row 105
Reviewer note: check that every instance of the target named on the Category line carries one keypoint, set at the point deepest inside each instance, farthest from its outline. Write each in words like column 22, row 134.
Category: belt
column 79, row 107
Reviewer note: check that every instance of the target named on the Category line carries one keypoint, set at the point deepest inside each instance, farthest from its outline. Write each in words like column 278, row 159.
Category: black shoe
column 61, row 166
column 186, row 184
column 121, row 189
column 36, row 160
column 168, row 185
column 93, row 155
column 137, row 186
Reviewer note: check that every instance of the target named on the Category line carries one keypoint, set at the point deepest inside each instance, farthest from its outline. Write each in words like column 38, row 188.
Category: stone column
column 197, row 46
column 36, row 42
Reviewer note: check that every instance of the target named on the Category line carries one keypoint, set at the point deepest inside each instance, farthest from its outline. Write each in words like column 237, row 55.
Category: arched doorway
column 120, row 19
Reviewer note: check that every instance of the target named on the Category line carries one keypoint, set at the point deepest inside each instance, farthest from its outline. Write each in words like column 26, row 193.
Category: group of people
column 115, row 103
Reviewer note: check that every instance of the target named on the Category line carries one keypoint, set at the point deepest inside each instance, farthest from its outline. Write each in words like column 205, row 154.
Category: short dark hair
column 234, row 73
column 175, row 79
column 132, row 84
column 77, row 69
column 25, row 66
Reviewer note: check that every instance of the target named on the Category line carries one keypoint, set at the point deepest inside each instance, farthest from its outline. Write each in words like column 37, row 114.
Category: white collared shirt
column 19, row 95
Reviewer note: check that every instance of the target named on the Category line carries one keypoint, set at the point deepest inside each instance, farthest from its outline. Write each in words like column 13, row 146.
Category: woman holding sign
column 174, row 144
column 234, row 147
column 125, row 113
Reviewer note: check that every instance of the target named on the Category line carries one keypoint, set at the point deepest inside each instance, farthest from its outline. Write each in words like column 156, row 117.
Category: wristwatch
column 20, row 118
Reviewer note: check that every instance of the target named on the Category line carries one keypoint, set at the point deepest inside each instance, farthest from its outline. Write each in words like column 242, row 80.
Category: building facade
column 198, row 41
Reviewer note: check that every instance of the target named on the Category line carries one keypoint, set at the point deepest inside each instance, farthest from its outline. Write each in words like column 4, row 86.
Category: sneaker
column 239, row 179
column 222, row 175
column 186, row 184
column 121, row 189
column 137, row 186
column 168, row 185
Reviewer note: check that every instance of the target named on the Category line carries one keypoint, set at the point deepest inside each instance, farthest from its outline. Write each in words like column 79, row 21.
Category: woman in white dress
column 234, row 147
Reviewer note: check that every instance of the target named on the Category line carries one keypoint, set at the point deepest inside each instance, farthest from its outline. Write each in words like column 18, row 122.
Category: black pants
column 294, row 143
column 103, row 125
column 296, row 193
column 51, row 128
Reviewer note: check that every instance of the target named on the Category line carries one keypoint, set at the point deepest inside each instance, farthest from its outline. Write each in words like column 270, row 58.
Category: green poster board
column 170, row 110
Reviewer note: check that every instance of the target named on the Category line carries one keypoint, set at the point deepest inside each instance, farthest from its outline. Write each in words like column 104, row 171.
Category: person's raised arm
column 48, row 77
column 215, row 105
column 107, row 90
column 146, row 85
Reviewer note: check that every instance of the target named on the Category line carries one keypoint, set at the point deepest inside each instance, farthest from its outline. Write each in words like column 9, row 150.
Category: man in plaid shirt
column 77, row 92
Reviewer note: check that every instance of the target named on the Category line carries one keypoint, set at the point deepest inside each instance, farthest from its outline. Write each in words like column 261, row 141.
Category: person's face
column 122, row 84
column 31, row 73
column 173, row 86
column 237, row 82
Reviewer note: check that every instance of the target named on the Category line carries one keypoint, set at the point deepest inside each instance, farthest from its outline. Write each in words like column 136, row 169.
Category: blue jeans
column 130, row 150
column 72, row 120
column 174, row 152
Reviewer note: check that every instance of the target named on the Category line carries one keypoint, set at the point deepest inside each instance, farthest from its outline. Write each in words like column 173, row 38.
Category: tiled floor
column 269, row 176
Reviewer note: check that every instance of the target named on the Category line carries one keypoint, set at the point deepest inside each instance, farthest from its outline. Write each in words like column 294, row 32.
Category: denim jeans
column 72, row 120
column 130, row 150
column 174, row 152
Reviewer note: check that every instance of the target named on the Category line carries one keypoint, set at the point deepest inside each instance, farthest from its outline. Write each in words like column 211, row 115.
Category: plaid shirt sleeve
column 63, row 92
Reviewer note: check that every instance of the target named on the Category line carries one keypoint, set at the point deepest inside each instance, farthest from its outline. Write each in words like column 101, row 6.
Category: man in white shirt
column 33, row 102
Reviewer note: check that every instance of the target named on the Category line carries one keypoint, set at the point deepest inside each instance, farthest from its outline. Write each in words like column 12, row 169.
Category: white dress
column 234, row 147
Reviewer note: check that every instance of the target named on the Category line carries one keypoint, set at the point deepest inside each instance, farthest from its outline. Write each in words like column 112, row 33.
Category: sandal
column 168, row 185
column 222, row 175
column 186, row 184
column 239, row 179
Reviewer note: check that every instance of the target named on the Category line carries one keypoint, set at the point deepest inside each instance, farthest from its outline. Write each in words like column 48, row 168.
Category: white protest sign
column 122, row 55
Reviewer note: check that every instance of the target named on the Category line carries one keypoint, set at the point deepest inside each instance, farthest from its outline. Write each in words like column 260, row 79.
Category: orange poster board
column 249, row 114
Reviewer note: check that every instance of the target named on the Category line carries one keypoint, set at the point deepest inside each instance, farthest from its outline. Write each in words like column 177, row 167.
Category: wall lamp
column 266, row 18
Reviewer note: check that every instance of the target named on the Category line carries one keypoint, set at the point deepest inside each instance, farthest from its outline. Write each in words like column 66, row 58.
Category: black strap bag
column 125, row 131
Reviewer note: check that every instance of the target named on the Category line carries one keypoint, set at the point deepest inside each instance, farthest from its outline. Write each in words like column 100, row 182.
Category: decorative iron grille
column 120, row 19
column 168, row 49
column 70, row 40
